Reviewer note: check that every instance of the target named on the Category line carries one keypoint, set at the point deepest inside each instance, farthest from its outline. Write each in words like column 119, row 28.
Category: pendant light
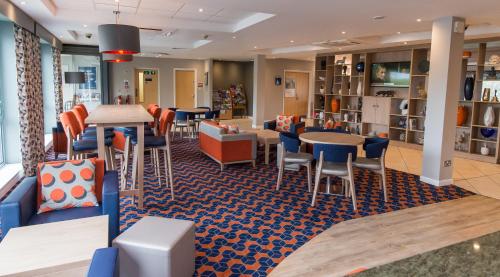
column 118, row 38
column 117, row 58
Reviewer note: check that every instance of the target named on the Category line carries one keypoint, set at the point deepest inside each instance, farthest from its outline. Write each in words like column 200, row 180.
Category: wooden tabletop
column 52, row 247
column 107, row 114
column 331, row 138
column 264, row 134
column 193, row 110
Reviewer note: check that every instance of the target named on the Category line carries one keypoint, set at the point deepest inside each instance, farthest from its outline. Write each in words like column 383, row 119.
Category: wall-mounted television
column 391, row 74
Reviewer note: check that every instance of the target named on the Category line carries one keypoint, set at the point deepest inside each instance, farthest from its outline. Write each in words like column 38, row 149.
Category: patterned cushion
column 233, row 129
column 283, row 123
column 329, row 124
column 67, row 185
column 225, row 129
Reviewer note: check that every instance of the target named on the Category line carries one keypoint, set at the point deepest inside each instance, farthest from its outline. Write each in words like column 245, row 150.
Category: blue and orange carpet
column 244, row 226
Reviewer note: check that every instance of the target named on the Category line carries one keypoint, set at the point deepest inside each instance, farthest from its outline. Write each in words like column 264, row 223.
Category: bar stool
column 336, row 160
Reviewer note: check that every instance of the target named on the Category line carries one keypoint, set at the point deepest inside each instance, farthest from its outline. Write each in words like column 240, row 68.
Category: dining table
column 331, row 138
column 194, row 112
column 123, row 116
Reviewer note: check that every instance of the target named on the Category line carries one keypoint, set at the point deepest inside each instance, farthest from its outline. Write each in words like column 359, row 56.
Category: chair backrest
column 166, row 121
column 335, row 153
column 155, row 111
column 68, row 120
column 80, row 116
column 182, row 116
column 84, row 109
column 172, row 109
column 212, row 114
column 374, row 147
column 290, row 142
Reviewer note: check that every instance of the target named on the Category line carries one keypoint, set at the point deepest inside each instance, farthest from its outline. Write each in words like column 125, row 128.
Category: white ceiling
column 255, row 28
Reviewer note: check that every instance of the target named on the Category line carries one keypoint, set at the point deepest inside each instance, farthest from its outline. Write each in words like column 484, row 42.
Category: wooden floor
column 375, row 240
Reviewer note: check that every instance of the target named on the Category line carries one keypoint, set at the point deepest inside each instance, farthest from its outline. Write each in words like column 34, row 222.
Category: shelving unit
column 406, row 130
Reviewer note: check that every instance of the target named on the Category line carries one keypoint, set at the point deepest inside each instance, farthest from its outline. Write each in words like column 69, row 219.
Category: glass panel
column 88, row 93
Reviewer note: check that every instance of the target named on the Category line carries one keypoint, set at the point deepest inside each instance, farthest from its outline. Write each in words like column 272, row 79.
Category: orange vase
column 462, row 114
column 335, row 105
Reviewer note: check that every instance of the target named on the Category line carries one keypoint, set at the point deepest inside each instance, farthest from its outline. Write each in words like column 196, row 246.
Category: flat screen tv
column 391, row 74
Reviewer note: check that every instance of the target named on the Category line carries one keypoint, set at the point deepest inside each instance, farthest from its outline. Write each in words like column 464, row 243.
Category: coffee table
column 53, row 249
column 267, row 138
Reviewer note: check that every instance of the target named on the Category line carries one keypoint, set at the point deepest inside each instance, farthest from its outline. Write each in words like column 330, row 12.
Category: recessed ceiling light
column 234, row 37
column 23, row 2
column 117, row 1
column 255, row 47
column 344, row 32
column 340, row 48
column 60, row 36
column 200, row 10
column 419, row 19
column 406, row 42
column 292, row 41
column 399, row 33
column 85, row 25
column 378, row 17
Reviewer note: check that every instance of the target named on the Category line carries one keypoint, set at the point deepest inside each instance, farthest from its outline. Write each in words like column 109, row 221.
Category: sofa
column 227, row 148
column 21, row 205
column 104, row 263
column 296, row 127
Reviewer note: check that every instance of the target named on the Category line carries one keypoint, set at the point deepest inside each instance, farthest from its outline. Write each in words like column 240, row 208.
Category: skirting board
column 437, row 183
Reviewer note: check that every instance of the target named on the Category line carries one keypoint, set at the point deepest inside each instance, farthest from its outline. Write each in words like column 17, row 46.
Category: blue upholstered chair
column 291, row 155
column 212, row 114
column 104, row 263
column 20, row 207
column 375, row 149
column 336, row 160
column 184, row 120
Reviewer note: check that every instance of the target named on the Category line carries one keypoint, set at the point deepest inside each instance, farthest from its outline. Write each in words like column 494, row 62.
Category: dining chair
column 154, row 144
column 184, row 120
column 89, row 131
column 79, row 146
column 336, row 160
column 200, row 117
column 291, row 155
column 212, row 115
column 375, row 149
column 155, row 111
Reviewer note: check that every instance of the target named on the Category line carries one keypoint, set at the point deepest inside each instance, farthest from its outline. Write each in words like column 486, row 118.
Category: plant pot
column 469, row 88
column 489, row 116
column 335, row 105
column 462, row 114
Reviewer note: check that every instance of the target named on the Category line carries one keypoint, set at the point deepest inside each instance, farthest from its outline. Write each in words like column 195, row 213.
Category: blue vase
column 469, row 88
column 360, row 67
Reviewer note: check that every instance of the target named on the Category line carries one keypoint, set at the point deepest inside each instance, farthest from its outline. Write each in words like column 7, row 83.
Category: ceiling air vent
column 337, row 43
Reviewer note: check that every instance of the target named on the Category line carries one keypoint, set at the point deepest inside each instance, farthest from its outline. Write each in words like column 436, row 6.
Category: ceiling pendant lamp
column 116, row 58
column 118, row 38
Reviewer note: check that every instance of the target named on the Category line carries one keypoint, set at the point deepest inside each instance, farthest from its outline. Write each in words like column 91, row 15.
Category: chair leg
column 309, row 176
column 134, row 166
column 124, row 165
column 280, row 172
column 353, row 190
column 316, row 186
column 157, row 165
column 113, row 155
column 384, row 182
column 170, row 174
column 165, row 163
column 107, row 158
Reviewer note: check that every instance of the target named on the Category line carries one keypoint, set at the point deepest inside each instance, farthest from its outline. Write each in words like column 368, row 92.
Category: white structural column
column 259, row 75
column 444, row 85
column 209, row 65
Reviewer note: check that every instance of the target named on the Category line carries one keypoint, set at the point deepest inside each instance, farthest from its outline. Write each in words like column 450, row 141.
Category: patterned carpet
column 245, row 227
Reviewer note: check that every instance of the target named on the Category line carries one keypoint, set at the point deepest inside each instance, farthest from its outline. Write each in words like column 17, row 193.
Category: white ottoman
column 157, row 246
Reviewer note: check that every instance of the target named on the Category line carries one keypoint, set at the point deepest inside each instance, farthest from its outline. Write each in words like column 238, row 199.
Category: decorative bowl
column 488, row 132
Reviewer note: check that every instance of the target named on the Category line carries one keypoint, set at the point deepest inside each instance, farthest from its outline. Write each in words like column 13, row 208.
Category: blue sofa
column 20, row 207
column 104, row 263
column 295, row 128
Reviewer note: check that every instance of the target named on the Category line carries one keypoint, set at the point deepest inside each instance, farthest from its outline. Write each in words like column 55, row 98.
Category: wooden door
column 146, row 87
column 297, row 105
column 184, row 89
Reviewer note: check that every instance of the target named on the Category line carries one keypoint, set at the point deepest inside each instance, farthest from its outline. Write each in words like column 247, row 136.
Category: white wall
column 125, row 71
column 8, row 91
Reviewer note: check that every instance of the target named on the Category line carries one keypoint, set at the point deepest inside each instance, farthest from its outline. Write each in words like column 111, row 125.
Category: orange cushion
column 67, row 185
column 99, row 178
column 283, row 123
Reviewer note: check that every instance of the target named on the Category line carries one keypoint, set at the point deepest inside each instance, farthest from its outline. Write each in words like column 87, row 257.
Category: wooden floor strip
column 380, row 239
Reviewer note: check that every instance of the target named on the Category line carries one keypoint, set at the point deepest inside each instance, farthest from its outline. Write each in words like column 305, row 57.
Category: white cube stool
column 157, row 246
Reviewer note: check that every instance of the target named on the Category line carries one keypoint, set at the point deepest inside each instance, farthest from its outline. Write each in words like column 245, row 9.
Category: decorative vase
column 486, row 94
column 335, row 105
column 485, row 151
column 322, row 89
column 489, row 116
column 360, row 67
column 346, row 117
column 359, row 90
column 469, row 88
column 462, row 114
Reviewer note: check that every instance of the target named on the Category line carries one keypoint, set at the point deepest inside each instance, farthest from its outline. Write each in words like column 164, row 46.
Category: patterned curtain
column 29, row 91
column 56, row 58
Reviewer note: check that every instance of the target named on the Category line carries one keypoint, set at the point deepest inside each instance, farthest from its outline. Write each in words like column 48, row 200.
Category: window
column 2, row 156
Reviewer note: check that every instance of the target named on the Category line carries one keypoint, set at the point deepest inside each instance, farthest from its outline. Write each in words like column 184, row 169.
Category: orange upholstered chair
column 227, row 148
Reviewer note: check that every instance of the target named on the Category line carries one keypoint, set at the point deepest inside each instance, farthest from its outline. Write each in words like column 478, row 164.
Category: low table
column 62, row 248
column 267, row 138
